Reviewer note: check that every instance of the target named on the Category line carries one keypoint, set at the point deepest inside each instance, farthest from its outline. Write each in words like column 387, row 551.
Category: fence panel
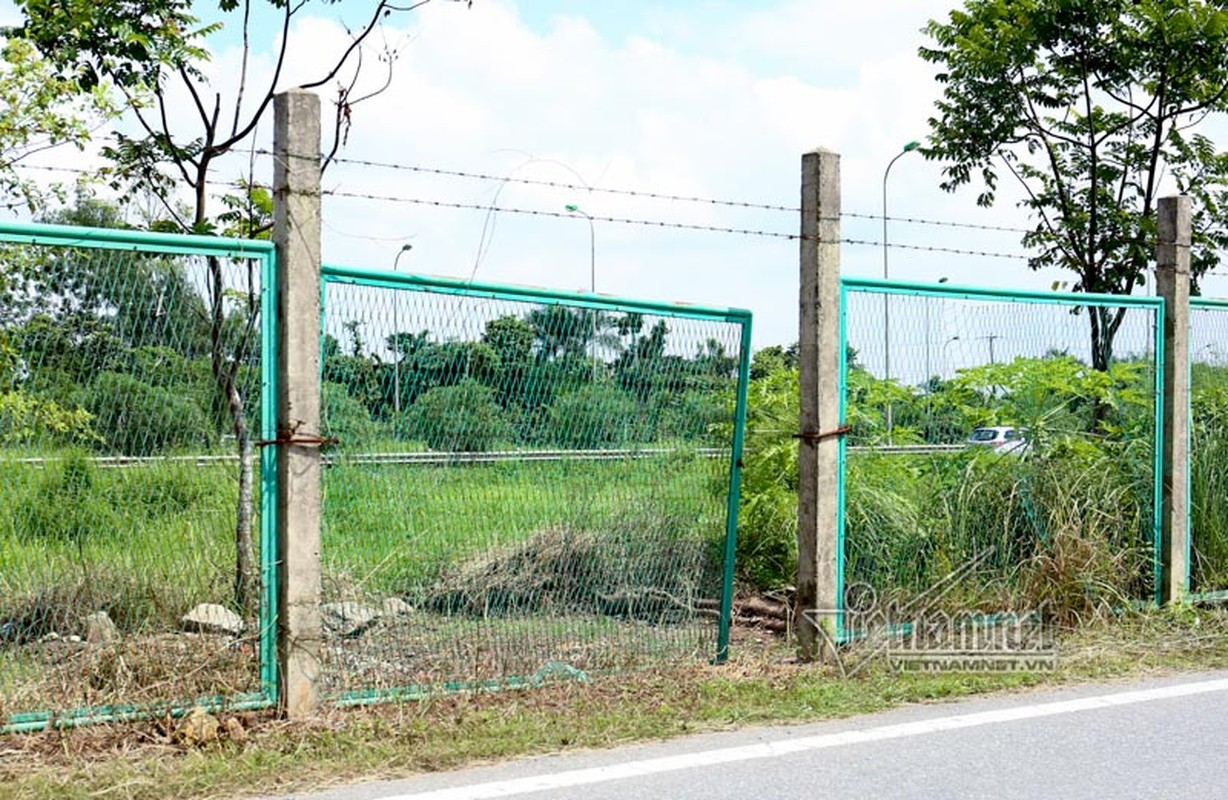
column 1208, row 449
column 125, row 361
column 994, row 463
column 525, row 484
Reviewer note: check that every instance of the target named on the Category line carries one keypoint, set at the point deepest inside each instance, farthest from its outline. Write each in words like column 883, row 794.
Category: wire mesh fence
column 523, row 485
column 1002, row 451
column 130, row 525
column 1208, row 447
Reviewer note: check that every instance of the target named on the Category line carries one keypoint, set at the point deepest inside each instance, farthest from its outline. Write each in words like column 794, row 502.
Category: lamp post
column 908, row 148
column 592, row 272
column 396, row 343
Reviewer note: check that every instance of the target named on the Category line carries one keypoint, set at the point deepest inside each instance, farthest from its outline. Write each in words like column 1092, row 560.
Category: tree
column 146, row 49
column 1089, row 105
column 41, row 111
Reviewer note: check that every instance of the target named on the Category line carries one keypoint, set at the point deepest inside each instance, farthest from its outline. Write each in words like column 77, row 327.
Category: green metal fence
column 133, row 369
column 525, row 484
column 1208, row 558
column 1055, row 500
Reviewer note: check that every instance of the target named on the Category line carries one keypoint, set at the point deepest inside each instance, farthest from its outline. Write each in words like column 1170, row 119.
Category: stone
column 396, row 607
column 212, row 618
column 235, row 731
column 197, row 727
column 99, row 629
column 349, row 619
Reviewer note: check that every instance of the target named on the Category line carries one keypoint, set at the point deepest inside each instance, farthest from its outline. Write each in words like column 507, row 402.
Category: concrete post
column 1173, row 284
column 818, row 456
column 296, row 232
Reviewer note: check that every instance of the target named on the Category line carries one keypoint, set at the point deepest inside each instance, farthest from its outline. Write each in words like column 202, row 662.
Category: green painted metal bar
column 121, row 239
column 397, row 280
column 842, row 634
column 1208, row 304
column 735, row 487
column 1209, row 597
column 42, row 720
column 1157, row 495
column 366, row 697
column 269, row 555
column 877, row 285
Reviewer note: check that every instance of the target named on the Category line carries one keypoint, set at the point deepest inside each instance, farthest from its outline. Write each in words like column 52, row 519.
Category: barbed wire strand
column 533, row 212
column 629, row 220
column 418, row 168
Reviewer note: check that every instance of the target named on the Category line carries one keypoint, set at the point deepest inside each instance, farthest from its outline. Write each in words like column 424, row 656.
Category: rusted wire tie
column 818, row 437
column 286, row 437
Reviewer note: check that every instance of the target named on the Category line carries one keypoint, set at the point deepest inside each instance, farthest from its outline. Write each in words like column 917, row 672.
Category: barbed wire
column 644, row 194
column 937, row 249
column 640, row 193
column 936, row 222
column 651, row 223
column 752, row 232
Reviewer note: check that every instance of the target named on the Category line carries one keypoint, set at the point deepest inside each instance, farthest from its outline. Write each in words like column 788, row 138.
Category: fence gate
column 525, row 485
column 134, row 368
column 1003, row 451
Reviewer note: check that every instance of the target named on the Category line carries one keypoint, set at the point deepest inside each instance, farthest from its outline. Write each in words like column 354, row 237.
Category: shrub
column 597, row 415
column 137, row 419
column 345, row 417
column 463, row 418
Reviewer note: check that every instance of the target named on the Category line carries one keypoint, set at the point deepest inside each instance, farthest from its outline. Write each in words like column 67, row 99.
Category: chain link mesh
column 129, row 385
column 1000, row 456
column 520, row 488
column 1208, row 447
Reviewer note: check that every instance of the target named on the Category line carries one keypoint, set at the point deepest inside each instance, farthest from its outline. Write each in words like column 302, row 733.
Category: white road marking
column 727, row 755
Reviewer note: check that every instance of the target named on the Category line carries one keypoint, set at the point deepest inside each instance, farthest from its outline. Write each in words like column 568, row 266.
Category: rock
column 235, row 731
column 347, row 620
column 212, row 618
column 99, row 629
column 197, row 728
column 74, row 639
column 396, row 607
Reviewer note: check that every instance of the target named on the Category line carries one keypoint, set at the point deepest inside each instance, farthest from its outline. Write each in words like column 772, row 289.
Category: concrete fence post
column 296, row 232
column 818, row 440
column 1173, row 284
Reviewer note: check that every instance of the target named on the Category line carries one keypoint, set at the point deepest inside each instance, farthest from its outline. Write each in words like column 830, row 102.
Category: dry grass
column 257, row 754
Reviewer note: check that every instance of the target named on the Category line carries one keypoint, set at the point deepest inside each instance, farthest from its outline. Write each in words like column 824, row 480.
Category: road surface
column 1152, row 739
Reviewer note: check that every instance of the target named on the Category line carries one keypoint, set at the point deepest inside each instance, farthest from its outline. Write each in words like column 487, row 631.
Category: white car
column 1002, row 438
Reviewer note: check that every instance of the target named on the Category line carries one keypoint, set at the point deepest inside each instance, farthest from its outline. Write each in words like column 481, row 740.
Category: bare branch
column 247, row 11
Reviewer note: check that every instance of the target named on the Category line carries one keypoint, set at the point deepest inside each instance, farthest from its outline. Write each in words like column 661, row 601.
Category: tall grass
column 1069, row 526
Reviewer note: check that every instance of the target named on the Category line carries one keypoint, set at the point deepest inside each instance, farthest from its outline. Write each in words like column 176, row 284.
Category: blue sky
column 708, row 98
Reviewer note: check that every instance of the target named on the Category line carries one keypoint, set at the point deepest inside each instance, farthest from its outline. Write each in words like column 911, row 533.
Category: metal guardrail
column 419, row 457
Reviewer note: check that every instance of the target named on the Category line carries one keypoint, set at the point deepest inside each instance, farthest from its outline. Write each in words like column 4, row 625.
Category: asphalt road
column 1153, row 739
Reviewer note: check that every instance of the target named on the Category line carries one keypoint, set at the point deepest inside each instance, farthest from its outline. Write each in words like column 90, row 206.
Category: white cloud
column 720, row 104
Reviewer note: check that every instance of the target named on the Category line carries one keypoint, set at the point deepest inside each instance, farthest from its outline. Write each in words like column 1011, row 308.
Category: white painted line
column 656, row 766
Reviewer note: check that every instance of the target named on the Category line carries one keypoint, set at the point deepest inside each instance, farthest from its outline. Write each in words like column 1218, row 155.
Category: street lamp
column 592, row 271
column 908, row 148
column 396, row 362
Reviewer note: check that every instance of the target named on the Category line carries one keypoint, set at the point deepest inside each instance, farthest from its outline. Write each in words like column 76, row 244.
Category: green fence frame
column 1214, row 595
column 947, row 291
column 453, row 286
column 179, row 244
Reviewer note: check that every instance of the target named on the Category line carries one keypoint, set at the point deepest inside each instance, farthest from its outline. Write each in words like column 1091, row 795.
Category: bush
column 137, row 419
column 594, row 416
column 345, row 417
column 460, row 419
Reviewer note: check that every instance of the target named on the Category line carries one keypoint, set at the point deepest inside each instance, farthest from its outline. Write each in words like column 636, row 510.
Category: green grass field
column 147, row 543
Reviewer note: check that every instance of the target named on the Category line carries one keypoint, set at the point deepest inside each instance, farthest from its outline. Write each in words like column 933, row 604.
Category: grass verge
column 258, row 755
